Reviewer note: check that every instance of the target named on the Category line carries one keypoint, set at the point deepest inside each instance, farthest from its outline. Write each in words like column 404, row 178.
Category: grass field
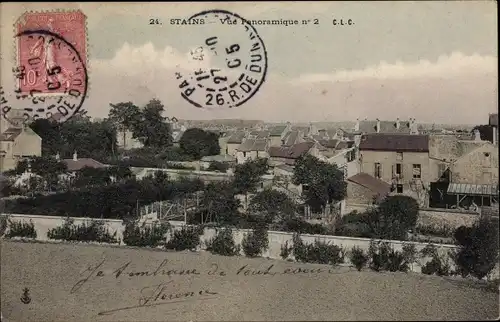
column 93, row 283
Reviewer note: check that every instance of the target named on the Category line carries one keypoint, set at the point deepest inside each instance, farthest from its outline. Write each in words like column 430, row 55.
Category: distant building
column 17, row 140
column 363, row 188
column 278, row 133
column 76, row 164
column 251, row 149
column 398, row 159
column 288, row 155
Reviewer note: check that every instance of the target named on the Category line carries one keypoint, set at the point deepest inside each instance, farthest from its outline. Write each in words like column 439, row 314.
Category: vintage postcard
column 240, row 161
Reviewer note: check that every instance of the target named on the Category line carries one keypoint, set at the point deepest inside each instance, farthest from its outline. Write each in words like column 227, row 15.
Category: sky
column 433, row 61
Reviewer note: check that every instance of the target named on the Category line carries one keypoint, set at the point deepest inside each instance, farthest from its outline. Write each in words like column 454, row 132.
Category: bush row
column 476, row 256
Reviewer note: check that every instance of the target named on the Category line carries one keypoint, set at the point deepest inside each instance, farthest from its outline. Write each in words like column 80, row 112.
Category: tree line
column 98, row 139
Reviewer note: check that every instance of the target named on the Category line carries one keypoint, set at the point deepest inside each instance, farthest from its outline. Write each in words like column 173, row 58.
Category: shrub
column 188, row 237
column 435, row 230
column 319, row 252
column 437, row 265
column 223, row 243
column 300, row 226
column 285, row 250
column 255, row 242
column 95, row 231
column 218, row 166
column 410, row 253
column 478, row 249
column 358, row 258
column 21, row 229
column 179, row 166
column 152, row 236
column 385, row 258
column 4, row 220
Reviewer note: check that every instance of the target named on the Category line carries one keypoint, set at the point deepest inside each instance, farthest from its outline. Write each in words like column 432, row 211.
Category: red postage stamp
column 47, row 55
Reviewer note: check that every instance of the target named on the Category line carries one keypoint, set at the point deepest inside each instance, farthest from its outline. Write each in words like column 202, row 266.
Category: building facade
column 401, row 160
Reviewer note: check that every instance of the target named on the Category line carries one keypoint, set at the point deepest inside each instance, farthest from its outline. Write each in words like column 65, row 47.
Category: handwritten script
column 164, row 293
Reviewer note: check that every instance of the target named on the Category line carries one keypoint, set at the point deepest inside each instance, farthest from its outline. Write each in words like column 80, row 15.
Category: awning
column 472, row 189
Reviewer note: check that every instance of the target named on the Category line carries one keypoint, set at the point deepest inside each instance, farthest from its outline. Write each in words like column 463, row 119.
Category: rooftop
column 395, row 142
column 292, row 152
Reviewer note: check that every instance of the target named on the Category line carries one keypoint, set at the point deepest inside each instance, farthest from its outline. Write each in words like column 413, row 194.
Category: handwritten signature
column 96, row 271
column 157, row 295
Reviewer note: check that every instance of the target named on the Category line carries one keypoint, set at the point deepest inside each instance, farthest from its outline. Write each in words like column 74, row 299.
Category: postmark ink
column 237, row 62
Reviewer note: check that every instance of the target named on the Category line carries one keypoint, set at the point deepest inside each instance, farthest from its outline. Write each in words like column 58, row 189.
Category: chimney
column 356, row 127
column 495, row 135
column 413, row 126
column 397, row 123
column 75, row 156
column 378, row 126
column 477, row 135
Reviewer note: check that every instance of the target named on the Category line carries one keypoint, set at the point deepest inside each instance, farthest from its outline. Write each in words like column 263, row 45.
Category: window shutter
column 393, row 170
column 380, row 171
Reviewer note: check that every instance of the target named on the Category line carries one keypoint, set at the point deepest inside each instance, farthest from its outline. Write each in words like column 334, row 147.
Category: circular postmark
column 50, row 78
column 230, row 62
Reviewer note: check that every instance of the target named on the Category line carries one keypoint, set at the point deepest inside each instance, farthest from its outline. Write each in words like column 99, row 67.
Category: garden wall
column 276, row 239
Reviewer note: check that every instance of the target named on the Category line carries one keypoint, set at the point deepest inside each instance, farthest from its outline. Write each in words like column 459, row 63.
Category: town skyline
column 412, row 59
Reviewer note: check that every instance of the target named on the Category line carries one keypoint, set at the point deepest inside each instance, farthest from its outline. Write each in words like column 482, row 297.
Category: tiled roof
column 330, row 144
column 10, row 134
column 293, row 152
column 373, row 184
column 395, row 142
column 277, row 130
column 236, row 138
column 82, row 163
column 253, row 145
column 385, row 127
column 259, row 134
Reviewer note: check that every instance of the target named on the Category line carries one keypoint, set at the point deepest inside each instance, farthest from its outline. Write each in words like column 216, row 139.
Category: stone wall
column 276, row 238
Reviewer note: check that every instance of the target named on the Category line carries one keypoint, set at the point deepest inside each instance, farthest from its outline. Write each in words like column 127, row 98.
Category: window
column 486, row 160
column 399, row 188
column 244, row 154
column 399, row 169
column 399, row 156
column 378, row 170
column 417, row 171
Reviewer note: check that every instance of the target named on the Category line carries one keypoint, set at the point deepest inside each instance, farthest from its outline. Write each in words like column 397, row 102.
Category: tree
column 393, row 217
column 248, row 175
column 124, row 116
column 272, row 205
column 152, row 130
column 199, row 143
column 89, row 139
column 218, row 199
column 89, row 176
column 324, row 182
column 478, row 248
column 47, row 167
column 50, row 132
column 485, row 131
